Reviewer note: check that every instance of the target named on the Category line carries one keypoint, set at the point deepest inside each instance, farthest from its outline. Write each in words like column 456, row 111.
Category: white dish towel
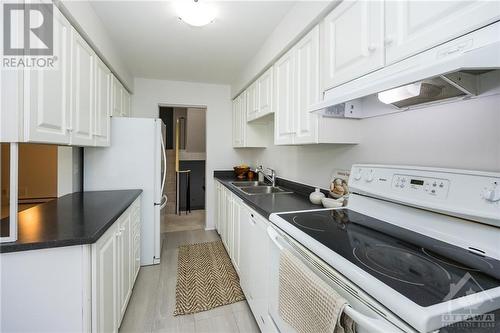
column 306, row 302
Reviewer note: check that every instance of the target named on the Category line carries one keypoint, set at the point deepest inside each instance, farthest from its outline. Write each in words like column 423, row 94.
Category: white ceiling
column 154, row 43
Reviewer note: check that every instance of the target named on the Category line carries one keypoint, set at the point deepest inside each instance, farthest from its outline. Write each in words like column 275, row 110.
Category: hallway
column 152, row 302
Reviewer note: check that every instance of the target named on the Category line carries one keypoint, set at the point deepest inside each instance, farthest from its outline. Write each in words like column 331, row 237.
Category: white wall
column 68, row 170
column 82, row 15
column 301, row 18
column 196, row 130
column 462, row 135
column 216, row 98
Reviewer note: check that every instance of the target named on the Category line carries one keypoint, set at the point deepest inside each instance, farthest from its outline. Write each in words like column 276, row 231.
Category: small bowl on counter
column 241, row 171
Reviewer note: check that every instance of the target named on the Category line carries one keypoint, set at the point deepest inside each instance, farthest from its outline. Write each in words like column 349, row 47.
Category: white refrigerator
column 136, row 159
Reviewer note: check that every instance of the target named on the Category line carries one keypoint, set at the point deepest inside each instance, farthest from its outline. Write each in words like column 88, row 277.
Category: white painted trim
column 14, row 162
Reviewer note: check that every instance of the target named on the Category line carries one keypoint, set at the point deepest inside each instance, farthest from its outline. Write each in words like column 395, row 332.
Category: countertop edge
column 299, row 190
column 22, row 247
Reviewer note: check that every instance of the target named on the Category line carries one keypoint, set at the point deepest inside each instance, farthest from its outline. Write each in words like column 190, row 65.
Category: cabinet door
column 105, row 264
column 284, row 99
column 229, row 223
column 125, row 103
column 47, row 92
column 252, row 101
column 308, row 90
column 236, row 216
column 237, row 122
column 265, row 93
column 415, row 26
column 117, row 97
column 353, row 41
column 260, row 271
column 124, row 248
column 83, row 91
column 216, row 205
column 247, row 224
column 223, row 226
column 103, row 104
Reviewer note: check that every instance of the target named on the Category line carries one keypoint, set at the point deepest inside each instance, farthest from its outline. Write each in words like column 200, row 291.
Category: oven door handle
column 373, row 325
column 274, row 237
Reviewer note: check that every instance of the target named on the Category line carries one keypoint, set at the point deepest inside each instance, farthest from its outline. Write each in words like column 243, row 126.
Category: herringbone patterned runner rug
column 206, row 278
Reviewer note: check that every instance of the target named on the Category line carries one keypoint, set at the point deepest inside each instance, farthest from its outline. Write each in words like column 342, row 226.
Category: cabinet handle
column 388, row 40
column 372, row 48
column 122, row 228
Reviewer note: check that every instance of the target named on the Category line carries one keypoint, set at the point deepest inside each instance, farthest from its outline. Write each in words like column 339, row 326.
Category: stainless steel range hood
column 462, row 68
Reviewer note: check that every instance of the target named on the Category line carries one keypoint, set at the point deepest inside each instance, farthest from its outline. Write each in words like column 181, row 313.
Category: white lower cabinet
column 115, row 264
column 105, row 287
column 244, row 233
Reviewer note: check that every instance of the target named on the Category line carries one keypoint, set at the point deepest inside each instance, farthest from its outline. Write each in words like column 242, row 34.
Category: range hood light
column 400, row 93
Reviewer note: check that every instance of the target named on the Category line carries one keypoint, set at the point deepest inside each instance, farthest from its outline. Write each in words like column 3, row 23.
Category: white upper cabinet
column 308, row 90
column 239, row 117
column 125, row 103
column 284, row 91
column 47, row 92
column 117, row 98
column 252, row 98
column 246, row 135
column 415, row 26
column 296, row 88
column 353, row 41
column 265, row 93
column 82, row 92
column 103, row 104
column 120, row 100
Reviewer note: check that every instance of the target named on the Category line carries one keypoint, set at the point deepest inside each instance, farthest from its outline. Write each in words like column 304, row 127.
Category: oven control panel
column 473, row 195
column 435, row 187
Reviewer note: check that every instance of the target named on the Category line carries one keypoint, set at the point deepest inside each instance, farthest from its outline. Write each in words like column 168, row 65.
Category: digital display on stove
column 416, row 182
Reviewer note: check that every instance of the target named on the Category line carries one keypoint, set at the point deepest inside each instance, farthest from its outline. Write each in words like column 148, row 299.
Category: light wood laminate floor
column 153, row 298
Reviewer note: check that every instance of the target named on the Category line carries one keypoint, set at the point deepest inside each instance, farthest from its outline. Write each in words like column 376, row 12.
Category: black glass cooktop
column 425, row 270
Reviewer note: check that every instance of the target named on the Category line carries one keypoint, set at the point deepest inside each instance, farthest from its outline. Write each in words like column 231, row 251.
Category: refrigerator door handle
column 164, row 176
column 163, row 201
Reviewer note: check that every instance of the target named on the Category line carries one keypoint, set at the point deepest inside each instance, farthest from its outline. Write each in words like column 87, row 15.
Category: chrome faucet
column 271, row 178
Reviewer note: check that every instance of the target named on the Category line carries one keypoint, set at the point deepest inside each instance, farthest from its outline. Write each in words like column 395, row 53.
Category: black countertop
column 73, row 219
column 267, row 204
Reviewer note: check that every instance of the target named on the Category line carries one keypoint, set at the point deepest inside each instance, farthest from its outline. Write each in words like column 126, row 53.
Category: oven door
column 369, row 316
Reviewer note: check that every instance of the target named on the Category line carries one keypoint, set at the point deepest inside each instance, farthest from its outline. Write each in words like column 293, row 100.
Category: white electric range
column 416, row 249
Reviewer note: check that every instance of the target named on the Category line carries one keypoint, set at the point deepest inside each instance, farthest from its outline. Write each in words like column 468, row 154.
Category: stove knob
column 357, row 175
column 492, row 194
column 369, row 178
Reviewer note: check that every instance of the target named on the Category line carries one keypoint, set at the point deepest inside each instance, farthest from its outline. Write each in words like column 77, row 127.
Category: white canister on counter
column 316, row 196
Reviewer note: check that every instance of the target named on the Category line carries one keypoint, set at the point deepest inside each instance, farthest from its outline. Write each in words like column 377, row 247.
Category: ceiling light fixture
column 195, row 12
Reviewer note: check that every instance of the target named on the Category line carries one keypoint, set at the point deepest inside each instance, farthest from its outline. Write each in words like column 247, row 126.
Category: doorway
column 185, row 145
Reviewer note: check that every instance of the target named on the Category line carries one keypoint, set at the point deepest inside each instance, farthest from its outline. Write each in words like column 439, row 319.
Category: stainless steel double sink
column 258, row 188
